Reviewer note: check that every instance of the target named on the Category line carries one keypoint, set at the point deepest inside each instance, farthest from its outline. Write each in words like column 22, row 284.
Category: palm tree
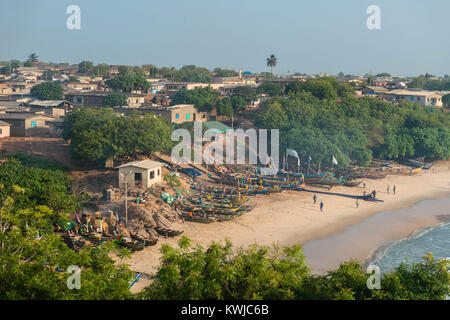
column 271, row 62
column 33, row 58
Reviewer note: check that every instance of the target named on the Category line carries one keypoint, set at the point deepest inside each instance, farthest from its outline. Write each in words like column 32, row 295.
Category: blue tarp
column 191, row 172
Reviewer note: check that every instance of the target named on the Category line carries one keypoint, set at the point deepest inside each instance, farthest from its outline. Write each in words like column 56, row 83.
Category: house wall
column 4, row 131
column 146, row 174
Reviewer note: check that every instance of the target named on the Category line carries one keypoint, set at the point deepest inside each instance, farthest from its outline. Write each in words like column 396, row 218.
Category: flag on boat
column 334, row 160
column 310, row 158
column 298, row 162
column 284, row 162
column 290, row 152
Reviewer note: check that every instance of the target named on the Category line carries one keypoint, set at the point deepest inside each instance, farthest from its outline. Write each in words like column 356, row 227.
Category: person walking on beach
column 393, row 189
column 315, row 198
column 364, row 184
column 357, row 203
column 321, row 206
column 388, row 189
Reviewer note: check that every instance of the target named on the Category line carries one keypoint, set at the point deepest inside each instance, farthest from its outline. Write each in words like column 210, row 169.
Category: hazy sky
column 306, row 36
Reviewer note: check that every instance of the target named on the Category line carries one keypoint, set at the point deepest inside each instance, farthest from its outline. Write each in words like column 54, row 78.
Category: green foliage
column 85, row 67
column 191, row 272
column 204, row 99
column 260, row 272
column 270, row 88
column 116, row 99
column 48, row 91
column 31, row 255
column 356, row 128
column 446, row 100
column 43, row 187
column 247, row 93
column 101, row 69
column 322, row 88
column 128, row 81
column 424, row 82
column 224, row 107
column 219, row 72
column 99, row 134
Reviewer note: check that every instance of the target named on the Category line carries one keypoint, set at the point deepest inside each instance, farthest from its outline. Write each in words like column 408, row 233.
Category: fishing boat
column 352, row 183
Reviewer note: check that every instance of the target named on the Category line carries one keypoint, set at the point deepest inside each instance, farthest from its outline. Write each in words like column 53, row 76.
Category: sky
column 311, row 37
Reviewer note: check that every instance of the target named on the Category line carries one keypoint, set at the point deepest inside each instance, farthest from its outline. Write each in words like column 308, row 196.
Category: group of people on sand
column 371, row 195
column 321, row 202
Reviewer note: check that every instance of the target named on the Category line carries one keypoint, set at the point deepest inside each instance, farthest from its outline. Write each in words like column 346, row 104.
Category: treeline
column 36, row 198
column 191, row 272
column 98, row 134
column 427, row 82
column 313, row 122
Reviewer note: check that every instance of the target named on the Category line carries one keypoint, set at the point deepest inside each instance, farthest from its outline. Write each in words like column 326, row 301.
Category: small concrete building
column 143, row 173
column 179, row 113
column 4, row 129
column 27, row 124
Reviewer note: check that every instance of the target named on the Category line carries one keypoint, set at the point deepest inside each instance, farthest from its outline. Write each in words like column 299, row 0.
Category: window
column 33, row 123
column 79, row 100
column 188, row 116
column 152, row 174
column 412, row 98
column 158, row 173
column 177, row 116
column 1, row 131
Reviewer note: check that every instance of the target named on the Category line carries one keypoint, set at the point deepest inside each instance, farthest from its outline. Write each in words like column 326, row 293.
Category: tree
column 128, row 81
column 219, row 72
column 101, row 69
column 446, row 100
column 116, row 99
column 225, row 108
column 48, row 91
column 271, row 62
column 33, row 58
column 270, row 88
column 246, row 92
column 96, row 135
column 204, row 99
column 85, row 67
column 191, row 272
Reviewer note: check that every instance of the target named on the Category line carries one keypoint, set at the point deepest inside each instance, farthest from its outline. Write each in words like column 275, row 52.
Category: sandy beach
column 291, row 218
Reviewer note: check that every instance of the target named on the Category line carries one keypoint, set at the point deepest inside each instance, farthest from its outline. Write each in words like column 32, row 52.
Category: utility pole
column 126, row 195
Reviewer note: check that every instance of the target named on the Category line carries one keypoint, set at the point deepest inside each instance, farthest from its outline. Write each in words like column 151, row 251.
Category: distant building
column 97, row 99
column 4, row 129
column 27, row 124
column 143, row 173
column 373, row 90
column 51, row 108
column 179, row 113
column 425, row 98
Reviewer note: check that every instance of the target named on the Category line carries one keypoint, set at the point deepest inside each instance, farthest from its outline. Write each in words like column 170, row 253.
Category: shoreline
column 290, row 217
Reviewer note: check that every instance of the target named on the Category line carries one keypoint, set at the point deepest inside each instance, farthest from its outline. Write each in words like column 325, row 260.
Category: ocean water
column 434, row 240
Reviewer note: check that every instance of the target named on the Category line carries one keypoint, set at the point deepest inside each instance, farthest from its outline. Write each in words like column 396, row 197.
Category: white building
column 425, row 98
column 143, row 173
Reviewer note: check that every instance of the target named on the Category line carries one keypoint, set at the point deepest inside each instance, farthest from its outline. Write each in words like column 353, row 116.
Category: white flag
column 298, row 162
column 334, row 160
column 291, row 152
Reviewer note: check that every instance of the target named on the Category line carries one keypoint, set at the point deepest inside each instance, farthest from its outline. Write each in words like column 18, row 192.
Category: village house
column 179, row 113
column 373, row 90
column 4, row 129
column 27, row 124
column 143, row 173
column 51, row 108
column 97, row 99
column 173, row 87
column 425, row 98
